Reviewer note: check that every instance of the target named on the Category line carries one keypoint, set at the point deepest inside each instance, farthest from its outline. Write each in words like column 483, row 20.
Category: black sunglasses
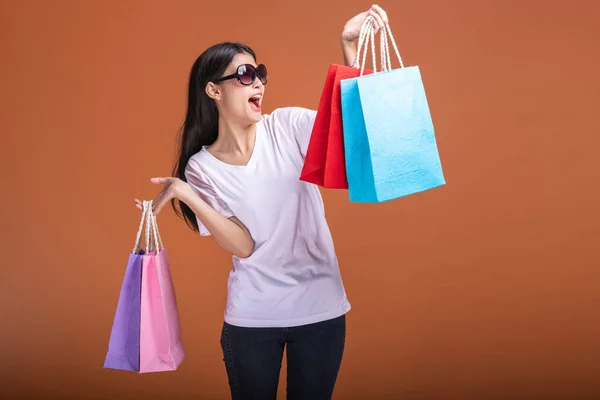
column 246, row 74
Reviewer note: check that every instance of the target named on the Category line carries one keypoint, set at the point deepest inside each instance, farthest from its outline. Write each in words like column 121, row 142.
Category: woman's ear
column 213, row 91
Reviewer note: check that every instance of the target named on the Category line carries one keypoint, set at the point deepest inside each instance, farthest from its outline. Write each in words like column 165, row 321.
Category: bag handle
column 386, row 64
column 386, row 46
column 367, row 31
column 370, row 35
column 138, row 238
column 157, row 238
column 361, row 39
column 151, row 230
column 148, row 206
column 152, row 233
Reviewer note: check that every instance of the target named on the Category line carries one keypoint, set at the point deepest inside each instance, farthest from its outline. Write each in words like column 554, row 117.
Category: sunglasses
column 246, row 74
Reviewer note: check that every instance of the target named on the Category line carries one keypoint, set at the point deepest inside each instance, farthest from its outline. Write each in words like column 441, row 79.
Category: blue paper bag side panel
column 124, row 344
column 356, row 146
column 400, row 131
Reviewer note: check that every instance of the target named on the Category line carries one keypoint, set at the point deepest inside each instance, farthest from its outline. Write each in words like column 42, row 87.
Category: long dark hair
column 201, row 125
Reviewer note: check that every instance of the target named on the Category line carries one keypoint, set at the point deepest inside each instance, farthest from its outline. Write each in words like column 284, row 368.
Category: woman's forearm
column 349, row 51
column 230, row 234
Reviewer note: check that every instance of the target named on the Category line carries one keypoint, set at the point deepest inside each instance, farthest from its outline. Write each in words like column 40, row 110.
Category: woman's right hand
column 352, row 28
column 173, row 188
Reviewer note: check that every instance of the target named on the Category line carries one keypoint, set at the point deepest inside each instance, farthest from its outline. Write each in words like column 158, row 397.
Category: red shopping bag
column 325, row 164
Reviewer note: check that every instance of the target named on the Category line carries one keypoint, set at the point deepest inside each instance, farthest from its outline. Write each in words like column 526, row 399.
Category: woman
column 237, row 179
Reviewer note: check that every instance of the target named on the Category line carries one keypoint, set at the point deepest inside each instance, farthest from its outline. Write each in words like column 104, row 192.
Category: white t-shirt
column 292, row 278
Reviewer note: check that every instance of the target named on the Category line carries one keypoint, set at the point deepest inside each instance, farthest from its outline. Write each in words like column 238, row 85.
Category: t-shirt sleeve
column 202, row 186
column 299, row 121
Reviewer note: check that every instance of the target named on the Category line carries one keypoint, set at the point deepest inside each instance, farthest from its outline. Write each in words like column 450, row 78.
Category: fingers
column 155, row 201
column 161, row 199
column 158, row 204
column 156, row 209
column 378, row 20
column 381, row 13
column 159, row 181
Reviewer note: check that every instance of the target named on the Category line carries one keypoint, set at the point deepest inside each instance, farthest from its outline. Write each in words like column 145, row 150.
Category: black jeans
column 253, row 359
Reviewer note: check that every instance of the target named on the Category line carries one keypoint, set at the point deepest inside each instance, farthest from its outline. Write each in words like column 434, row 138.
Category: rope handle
column 386, row 64
column 157, row 238
column 361, row 38
column 385, row 47
column 153, row 239
column 370, row 34
column 148, row 221
column 148, row 206
column 366, row 35
column 367, row 31
column 138, row 237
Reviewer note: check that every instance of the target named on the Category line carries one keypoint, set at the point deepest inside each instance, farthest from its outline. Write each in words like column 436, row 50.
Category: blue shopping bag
column 389, row 138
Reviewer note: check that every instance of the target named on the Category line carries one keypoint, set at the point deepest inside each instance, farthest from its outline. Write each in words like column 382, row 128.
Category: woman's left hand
column 352, row 27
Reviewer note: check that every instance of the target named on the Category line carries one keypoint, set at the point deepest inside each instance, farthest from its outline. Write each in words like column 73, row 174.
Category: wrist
column 346, row 43
column 348, row 50
column 185, row 193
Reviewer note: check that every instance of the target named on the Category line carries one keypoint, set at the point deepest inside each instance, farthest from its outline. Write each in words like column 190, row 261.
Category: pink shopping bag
column 161, row 347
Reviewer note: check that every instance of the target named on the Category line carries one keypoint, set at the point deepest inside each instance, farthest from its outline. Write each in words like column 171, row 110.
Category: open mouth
column 255, row 102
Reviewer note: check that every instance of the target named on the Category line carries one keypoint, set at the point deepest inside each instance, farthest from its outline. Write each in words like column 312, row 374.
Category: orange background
column 487, row 288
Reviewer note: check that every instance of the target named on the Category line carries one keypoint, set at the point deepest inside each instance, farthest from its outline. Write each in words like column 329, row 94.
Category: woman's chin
column 255, row 115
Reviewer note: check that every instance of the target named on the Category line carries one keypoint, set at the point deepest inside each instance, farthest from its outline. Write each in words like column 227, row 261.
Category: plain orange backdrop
column 486, row 288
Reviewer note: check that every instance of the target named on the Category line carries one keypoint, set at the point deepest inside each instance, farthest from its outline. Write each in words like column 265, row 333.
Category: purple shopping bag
column 124, row 344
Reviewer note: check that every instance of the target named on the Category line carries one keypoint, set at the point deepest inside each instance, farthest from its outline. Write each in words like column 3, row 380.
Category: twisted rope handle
column 152, row 233
column 370, row 34
column 386, row 64
column 367, row 31
column 138, row 238
column 148, row 207
column 157, row 237
column 151, row 230
column 389, row 32
column 361, row 38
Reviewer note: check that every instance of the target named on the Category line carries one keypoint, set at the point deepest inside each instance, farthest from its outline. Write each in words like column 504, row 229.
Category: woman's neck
column 235, row 139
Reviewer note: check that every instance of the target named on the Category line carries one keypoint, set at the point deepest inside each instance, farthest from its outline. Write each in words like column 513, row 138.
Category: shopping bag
column 124, row 343
column 325, row 164
column 161, row 347
column 389, row 138
column 313, row 170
